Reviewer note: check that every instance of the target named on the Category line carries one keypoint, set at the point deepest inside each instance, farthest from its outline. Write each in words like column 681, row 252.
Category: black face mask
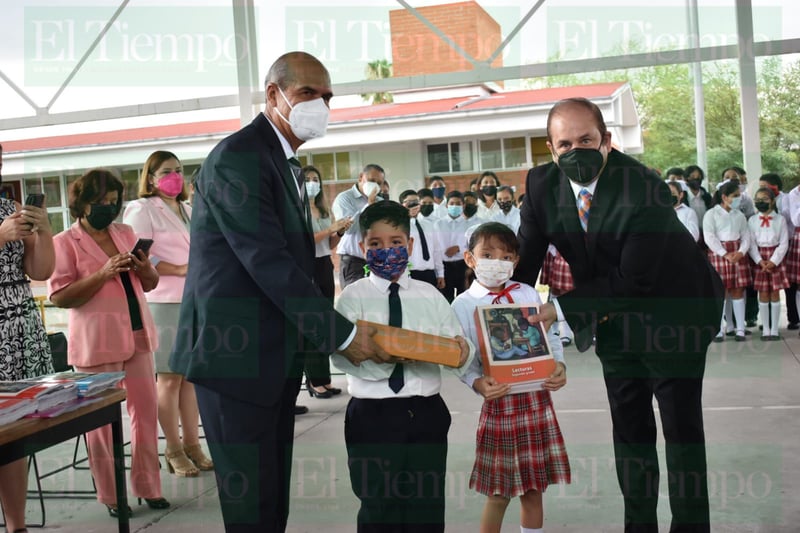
column 426, row 209
column 581, row 165
column 489, row 190
column 470, row 210
column 676, row 199
column 102, row 215
column 505, row 206
column 694, row 184
column 762, row 207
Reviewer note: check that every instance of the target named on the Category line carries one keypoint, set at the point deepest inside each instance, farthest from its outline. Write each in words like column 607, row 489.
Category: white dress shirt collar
column 287, row 148
column 383, row 284
column 577, row 188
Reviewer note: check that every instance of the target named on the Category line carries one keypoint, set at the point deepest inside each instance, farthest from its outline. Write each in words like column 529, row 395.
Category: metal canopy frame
column 250, row 95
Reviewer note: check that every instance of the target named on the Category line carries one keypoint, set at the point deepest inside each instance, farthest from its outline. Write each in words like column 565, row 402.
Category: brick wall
column 417, row 50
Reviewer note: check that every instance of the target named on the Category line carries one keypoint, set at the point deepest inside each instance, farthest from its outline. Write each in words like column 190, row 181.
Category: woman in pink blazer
column 161, row 214
column 110, row 327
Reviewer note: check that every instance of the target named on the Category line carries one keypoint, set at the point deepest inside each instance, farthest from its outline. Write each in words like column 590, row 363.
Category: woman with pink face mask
column 162, row 214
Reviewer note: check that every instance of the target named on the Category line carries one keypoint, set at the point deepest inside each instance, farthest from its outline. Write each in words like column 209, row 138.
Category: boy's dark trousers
column 455, row 279
column 397, row 456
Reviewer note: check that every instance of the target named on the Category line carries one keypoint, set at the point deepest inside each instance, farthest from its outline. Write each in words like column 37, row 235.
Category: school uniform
column 519, row 446
column 782, row 205
column 396, row 438
column 440, row 210
column 425, row 262
column 510, row 219
column 485, row 212
column 770, row 241
column 793, row 257
column 688, row 218
column 725, row 232
column 452, row 232
column 556, row 273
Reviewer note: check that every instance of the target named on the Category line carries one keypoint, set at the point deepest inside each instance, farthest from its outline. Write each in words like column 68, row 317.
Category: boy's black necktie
column 395, row 319
column 423, row 241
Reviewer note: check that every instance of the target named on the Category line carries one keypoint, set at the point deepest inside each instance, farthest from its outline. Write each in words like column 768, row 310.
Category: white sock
column 738, row 313
column 776, row 318
column 763, row 312
column 728, row 315
column 564, row 329
column 531, row 529
column 722, row 324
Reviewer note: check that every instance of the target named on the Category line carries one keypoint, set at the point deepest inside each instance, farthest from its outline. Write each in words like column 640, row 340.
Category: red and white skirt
column 556, row 274
column 734, row 275
column 769, row 281
column 519, row 446
column 792, row 260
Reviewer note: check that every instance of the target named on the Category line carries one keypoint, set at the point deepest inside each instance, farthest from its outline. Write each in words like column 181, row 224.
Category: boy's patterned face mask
column 387, row 263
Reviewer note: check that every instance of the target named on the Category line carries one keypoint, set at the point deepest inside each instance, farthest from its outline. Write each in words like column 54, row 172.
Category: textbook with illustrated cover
column 513, row 350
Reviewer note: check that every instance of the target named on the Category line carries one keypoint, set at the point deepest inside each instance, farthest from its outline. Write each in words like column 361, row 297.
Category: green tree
column 378, row 70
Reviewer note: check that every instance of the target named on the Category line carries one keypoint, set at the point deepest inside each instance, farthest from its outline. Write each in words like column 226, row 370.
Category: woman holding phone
column 162, row 214
column 111, row 329
column 26, row 251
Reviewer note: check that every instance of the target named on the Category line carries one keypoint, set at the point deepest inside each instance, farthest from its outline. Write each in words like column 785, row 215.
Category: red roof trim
column 374, row 112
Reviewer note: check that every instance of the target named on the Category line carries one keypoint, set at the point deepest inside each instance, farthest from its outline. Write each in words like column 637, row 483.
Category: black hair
column 506, row 188
column 387, row 211
column 470, row 194
column 677, row 186
column 406, row 193
column 425, row 193
column 769, row 192
column 435, row 178
column 772, row 179
column 455, row 194
column 726, row 189
column 691, row 168
column 373, row 166
column 500, row 231
column 492, row 174
column 675, row 171
column 92, row 187
column 740, row 171
column 319, row 200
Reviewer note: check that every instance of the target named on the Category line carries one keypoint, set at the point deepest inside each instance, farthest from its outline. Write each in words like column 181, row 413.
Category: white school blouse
column 688, row 218
column 720, row 225
column 776, row 234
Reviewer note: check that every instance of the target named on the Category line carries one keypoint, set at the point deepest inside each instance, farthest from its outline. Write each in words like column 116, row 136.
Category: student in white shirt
column 509, row 213
column 396, row 423
column 451, row 233
column 727, row 236
column 439, row 190
column 770, row 242
column 425, row 263
column 427, row 206
column 699, row 199
column 686, row 214
column 487, row 195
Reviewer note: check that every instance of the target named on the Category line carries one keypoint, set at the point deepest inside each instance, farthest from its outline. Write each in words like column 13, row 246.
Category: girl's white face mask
column 493, row 272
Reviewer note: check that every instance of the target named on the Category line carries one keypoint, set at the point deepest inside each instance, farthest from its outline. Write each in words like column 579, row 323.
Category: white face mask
column 308, row 120
column 493, row 272
column 368, row 187
column 312, row 188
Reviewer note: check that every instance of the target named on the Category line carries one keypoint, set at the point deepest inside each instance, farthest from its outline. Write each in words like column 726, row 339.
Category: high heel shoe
column 333, row 390
column 179, row 464
column 113, row 511
column 316, row 394
column 196, row 455
column 157, row 503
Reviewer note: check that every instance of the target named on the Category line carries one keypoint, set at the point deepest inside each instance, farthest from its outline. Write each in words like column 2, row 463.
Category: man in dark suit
column 646, row 292
column 250, row 305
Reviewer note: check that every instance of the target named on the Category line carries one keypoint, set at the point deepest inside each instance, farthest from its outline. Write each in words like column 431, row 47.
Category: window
column 450, row 157
column 335, row 166
column 503, row 153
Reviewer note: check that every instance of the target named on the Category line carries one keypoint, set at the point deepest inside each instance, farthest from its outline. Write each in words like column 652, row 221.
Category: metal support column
column 244, row 27
column 748, row 95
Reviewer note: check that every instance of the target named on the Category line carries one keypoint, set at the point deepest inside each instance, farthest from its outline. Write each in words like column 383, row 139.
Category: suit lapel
column 87, row 243
column 169, row 215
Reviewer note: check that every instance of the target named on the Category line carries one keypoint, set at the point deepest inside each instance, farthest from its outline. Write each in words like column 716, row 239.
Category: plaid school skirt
column 556, row 274
column 734, row 275
column 519, row 446
column 792, row 260
column 769, row 281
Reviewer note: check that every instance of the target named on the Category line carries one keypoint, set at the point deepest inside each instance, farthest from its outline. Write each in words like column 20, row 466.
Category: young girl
column 519, row 448
column 686, row 214
column 727, row 236
column 770, row 241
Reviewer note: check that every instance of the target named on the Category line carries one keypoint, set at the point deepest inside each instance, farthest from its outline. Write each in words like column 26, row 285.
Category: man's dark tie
column 297, row 171
column 395, row 319
column 423, row 241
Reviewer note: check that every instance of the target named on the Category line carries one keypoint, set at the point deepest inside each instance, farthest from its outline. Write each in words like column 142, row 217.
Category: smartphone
column 35, row 199
column 143, row 245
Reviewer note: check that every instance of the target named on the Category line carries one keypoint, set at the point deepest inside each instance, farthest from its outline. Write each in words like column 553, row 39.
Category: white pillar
column 246, row 58
column 696, row 75
column 748, row 96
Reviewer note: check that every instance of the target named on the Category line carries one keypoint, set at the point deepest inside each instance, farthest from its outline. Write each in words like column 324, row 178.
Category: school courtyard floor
column 752, row 418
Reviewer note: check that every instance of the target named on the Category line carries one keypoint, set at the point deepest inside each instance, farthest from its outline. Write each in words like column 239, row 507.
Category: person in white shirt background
column 699, row 198
column 727, row 236
column 774, row 183
column 675, row 174
column 686, row 214
column 427, row 205
column 439, row 190
column 451, row 232
column 425, row 262
column 348, row 205
column 487, row 195
column 768, row 247
column 509, row 213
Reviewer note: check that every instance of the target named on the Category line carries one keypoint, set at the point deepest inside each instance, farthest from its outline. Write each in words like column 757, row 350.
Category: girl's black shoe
column 113, row 511
column 157, row 503
column 317, row 394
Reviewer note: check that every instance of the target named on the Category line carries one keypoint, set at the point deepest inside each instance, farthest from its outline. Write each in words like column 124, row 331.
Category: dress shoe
column 793, row 325
column 740, row 338
column 300, row 409
column 113, row 512
column 333, row 390
column 317, row 394
column 157, row 503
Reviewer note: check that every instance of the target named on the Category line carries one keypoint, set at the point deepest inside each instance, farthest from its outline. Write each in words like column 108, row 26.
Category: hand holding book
column 557, row 379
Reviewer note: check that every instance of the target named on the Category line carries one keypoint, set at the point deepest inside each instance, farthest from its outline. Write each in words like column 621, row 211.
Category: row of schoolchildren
column 751, row 243
column 520, row 449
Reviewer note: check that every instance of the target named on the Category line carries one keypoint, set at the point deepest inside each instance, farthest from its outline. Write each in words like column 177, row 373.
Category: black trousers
column 351, row 269
column 317, row 366
column 455, row 279
column 791, row 304
column 631, row 384
column 750, row 305
column 251, row 446
column 428, row 276
column 397, row 456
